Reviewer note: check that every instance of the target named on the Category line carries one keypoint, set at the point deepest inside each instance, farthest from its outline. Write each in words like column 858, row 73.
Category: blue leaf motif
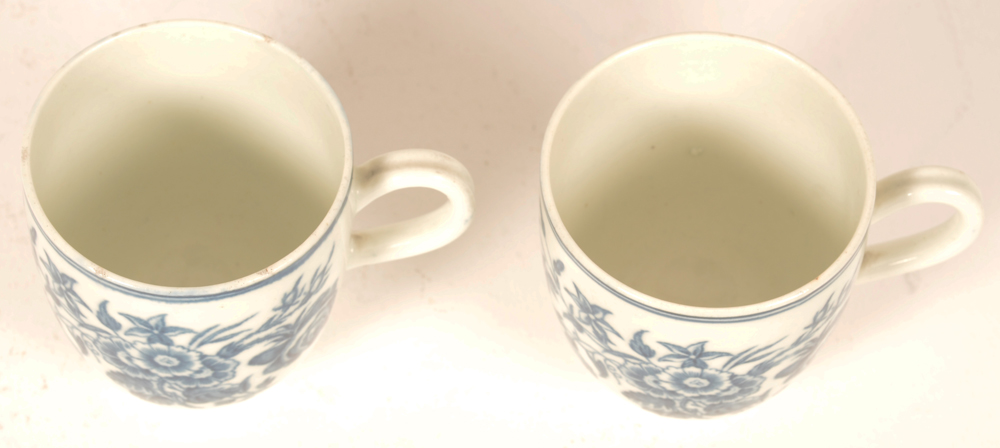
column 676, row 349
column 793, row 368
column 693, row 362
column 687, row 380
column 212, row 337
column 201, row 334
column 598, row 312
column 713, row 355
column 763, row 367
column 231, row 349
column 137, row 331
column 580, row 299
column 105, row 319
column 68, row 283
column 267, row 382
column 143, row 354
column 640, row 347
column 157, row 322
column 606, row 326
column 137, row 321
column 602, row 371
column 174, row 331
column 157, row 338
column 228, row 336
column 245, row 385
column 696, row 349
column 267, row 356
column 290, row 298
column 93, row 329
column 625, row 356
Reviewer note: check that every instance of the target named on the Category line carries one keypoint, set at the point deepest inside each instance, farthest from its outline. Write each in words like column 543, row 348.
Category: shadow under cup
column 187, row 155
column 715, row 173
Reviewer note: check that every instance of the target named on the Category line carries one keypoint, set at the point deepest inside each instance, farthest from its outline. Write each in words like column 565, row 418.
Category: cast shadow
column 479, row 84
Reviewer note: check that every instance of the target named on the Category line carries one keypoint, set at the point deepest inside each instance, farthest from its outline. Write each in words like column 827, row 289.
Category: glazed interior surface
column 186, row 155
column 708, row 171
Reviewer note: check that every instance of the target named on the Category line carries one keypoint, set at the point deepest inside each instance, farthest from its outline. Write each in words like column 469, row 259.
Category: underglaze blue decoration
column 168, row 364
column 685, row 379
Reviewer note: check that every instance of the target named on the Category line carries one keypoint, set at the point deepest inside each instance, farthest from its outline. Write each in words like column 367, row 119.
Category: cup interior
column 187, row 154
column 708, row 170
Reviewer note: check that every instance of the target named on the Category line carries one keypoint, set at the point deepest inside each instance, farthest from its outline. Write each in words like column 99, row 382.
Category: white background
column 461, row 347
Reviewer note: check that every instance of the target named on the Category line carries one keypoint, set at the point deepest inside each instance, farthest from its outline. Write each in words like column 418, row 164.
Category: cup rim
column 800, row 294
column 273, row 272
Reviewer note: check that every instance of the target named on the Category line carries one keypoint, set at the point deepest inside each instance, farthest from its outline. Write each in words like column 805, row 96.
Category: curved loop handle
column 410, row 168
column 930, row 184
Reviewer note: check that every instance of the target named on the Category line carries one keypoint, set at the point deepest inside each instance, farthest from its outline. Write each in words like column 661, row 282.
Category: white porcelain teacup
column 705, row 205
column 191, row 189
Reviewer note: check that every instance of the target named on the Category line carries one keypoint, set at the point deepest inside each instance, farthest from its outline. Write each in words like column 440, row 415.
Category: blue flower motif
column 117, row 353
column 219, row 395
column 708, row 385
column 726, row 407
column 61, row 289
column 644, row 376
column 664, row 406
column 695, row 382
column 146, row 389
column 181, row 366
column 669, row 407
column 164, row 360
column 692, row 355
column 154, row 329
column 174, row 365
column 688, row 381
column 299, row 335
column 214, row 370
column 589, row 318
column 168, row 374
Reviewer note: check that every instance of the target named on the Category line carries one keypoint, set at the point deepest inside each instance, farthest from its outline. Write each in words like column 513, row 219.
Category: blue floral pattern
column 678, row 380
column 174, row 365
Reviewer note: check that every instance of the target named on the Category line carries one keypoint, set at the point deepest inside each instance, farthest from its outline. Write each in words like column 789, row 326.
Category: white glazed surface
column 647, row 354
column 812, row 144
column 486, row 361
column 298, row 299
column 720, row 160
column 924, row 185
column 173, row 40
column 716, row 61
column 152, row 159
column 206, row 345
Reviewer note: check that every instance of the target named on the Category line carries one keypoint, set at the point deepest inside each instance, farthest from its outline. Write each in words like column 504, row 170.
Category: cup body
column 194, row 348
column 201, row 345
column 682, row 359
column 679, row 365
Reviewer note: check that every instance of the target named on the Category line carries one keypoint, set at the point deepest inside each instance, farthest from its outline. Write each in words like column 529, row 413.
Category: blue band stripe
column 686, row 318
column 195, row 298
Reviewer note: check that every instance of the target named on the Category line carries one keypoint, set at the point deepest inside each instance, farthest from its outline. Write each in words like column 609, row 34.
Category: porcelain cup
column 705, row 205
column 208, row 331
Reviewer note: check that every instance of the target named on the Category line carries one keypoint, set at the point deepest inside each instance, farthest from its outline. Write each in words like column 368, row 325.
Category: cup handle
column 929, row 184
column 410, row 168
